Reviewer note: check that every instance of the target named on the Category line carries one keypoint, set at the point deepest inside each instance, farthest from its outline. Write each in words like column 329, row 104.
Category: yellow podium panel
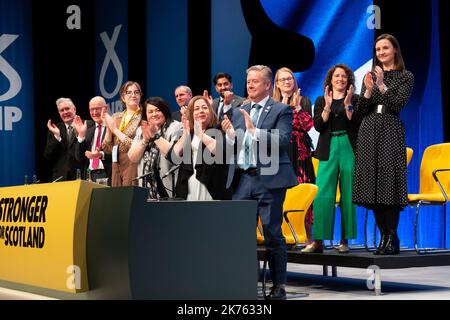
column 43, row 234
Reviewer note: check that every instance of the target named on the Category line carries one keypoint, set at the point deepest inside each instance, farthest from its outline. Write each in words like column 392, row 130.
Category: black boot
column 382, row 244
column 381, row 224
column 392, row 244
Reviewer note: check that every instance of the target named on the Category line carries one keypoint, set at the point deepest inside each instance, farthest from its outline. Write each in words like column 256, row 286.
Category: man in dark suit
column 61, row 141
column 261, row 132
column 227, row 100
column 183, row 94
column 90, row 137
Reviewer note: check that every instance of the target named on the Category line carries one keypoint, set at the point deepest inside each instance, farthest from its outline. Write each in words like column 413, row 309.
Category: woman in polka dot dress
column 380, row 163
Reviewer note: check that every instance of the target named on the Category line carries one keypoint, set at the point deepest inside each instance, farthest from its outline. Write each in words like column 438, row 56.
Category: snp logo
column 9, row 114
column 111, row 57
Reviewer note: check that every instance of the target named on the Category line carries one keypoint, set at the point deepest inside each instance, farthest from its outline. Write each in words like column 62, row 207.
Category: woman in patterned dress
column 122, row 128
column 380, row 164
column 286, row 90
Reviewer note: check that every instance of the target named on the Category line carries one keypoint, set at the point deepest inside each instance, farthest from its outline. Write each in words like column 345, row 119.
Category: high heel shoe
column 313, row 248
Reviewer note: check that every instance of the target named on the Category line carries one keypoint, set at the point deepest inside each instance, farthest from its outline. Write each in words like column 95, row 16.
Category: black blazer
column 213, row 176
column 82, row 147
column 62, row 155
column 322, row 151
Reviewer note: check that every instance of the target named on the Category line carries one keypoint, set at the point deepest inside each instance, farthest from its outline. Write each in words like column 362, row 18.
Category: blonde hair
column 277, row 91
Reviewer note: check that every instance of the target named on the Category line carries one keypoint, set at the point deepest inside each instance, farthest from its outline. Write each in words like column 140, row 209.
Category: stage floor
column 363, row 275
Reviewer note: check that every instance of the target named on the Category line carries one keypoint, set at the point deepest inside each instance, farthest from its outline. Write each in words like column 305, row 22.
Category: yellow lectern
column 43, row 234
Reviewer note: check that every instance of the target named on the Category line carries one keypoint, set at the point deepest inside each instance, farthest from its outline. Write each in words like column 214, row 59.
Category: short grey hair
column 60, row 100
column 185, row 88
column 265, row 70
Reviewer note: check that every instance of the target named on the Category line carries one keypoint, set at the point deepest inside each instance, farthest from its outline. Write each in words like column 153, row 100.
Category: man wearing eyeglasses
column 183, row 94
column 90, row 138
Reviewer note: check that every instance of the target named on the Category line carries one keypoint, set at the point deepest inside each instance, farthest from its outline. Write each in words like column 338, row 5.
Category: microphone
column 57, row 179
column 143, row 176
column 172, row 170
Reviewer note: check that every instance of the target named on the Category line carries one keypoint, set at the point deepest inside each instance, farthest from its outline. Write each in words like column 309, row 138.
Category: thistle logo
column 111, row 57
column 9, row 114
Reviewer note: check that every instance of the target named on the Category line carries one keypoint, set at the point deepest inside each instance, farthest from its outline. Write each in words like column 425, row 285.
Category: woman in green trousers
column 333, row 119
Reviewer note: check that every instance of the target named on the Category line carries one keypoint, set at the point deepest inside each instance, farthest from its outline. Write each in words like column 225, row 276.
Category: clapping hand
column 228, row 97
column 328, row 95
column 110, row 121
column 79, row 126
column 227, row 126
column 207, row 97
column 349, row 96
column 53, row 129
column 248, row 122
column 297, row 98
column 379, row 81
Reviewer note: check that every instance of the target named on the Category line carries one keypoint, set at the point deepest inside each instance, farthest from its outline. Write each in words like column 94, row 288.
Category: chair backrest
column 299, row 197
column 409, row 154
column 435, row 157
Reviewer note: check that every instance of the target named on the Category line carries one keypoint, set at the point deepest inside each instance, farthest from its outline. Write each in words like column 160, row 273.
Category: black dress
column 380, row 162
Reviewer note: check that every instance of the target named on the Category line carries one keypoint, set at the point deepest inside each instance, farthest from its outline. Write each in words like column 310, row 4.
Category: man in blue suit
column 260, row 169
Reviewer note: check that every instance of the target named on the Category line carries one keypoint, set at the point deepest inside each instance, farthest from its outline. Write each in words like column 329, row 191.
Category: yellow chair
column 409, row 154
column 298, row 200
column 434, row 186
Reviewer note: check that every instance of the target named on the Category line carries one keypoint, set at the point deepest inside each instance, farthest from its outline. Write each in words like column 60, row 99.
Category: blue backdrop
column 17, row 152
column 111, row 49
column 340, row 35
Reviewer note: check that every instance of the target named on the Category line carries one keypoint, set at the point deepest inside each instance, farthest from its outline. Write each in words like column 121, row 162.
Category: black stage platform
column 360, row 258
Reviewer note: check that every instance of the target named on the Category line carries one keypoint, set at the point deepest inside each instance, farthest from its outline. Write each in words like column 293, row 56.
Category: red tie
column 96, row 161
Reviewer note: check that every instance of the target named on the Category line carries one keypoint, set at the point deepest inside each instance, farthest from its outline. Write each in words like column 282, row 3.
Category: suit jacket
column 275, row 115
column 176, row 115
column 235, row 103
column 82, row 147
column 62, row 155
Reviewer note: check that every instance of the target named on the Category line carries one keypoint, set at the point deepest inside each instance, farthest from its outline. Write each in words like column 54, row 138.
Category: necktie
column 96, row 161
column 69, row 134
column 220, row 110
column 254, row 113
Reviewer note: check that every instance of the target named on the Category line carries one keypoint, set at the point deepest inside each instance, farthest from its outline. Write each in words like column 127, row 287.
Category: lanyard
column 124, row 123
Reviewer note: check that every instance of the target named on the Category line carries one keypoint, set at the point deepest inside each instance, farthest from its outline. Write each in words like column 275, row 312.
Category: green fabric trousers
column 340, row 165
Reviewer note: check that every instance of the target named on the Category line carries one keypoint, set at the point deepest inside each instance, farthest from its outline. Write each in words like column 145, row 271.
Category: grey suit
column 235, row 103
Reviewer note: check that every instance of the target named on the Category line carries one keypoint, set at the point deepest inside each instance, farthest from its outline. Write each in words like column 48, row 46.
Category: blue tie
column 254, row 113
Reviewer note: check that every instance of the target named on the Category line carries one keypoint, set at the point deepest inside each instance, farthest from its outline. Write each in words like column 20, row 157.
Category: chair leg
column 416, row 220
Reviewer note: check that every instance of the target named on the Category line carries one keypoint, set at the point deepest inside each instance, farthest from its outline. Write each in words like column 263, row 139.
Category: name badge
column 115, row 152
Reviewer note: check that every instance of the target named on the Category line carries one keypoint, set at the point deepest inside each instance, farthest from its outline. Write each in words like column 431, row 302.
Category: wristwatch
column 350, row 108
column 157, row 136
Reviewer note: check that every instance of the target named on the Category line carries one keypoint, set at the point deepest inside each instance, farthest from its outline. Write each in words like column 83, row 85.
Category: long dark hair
column 399, row 64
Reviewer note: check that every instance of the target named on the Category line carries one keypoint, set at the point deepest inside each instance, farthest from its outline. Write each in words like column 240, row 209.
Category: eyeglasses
column 136, row 93
column 285, row 79
column 99, row 109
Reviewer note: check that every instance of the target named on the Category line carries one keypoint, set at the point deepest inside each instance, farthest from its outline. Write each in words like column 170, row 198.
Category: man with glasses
column 90, row 138
column 183, row 94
